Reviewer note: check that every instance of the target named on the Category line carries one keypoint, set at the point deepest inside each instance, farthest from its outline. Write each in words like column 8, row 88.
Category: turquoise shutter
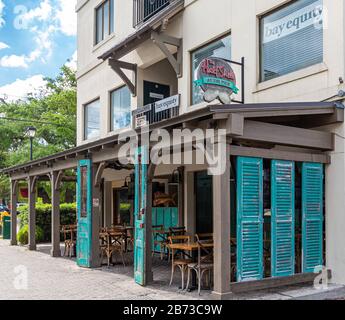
column 249, row 219
column 84, row 213
column 283, row 218
column 312, row 216
column 140, row 214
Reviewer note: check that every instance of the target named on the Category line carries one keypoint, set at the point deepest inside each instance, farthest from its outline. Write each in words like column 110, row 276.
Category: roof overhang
column 318, row 113
column 143, row 33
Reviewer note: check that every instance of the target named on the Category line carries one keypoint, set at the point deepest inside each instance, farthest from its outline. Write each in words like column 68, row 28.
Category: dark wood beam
column 118, row 65
column 284, row 135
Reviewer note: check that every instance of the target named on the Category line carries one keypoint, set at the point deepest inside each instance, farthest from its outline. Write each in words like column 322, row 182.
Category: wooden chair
column 159, row 240
column 177, row 231
column 109, row 247
column 69, row 240
column 204, row 264
column 180, row 262
column 207, row 237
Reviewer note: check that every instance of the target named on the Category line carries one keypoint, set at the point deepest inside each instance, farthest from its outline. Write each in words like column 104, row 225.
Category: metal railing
column 143, row 10
column 148, row 115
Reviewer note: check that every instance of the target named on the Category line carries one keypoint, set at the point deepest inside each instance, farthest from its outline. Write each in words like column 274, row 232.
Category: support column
column 96, row 213
column 55, row 185
column 14, row 199
column 108, row 190
column 32, row 212
column 189, row 203
column 221, row 231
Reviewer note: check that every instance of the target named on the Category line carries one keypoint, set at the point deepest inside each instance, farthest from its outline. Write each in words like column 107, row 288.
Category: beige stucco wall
column 201, row 22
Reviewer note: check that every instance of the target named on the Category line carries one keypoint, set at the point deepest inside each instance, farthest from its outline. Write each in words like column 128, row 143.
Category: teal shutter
column 312, row 216
column 140, row 204
column 283, row 218
column 84, row 212
column 249, row 219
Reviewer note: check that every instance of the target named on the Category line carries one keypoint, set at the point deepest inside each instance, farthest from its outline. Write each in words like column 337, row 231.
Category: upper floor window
column 218, row 49
column 291, row 38
column 92, row 120
column 104, row 20
column 120, row 108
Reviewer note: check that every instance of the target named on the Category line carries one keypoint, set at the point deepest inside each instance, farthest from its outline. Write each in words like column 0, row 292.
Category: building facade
column 280, row 199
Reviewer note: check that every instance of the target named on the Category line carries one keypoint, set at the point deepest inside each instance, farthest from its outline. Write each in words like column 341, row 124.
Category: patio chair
column 180, row 262
column 204, row 265
column 177, row 231
column 159, row 240
column 207, row 237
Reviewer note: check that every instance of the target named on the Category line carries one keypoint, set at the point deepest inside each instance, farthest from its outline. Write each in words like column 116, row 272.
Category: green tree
column 52, row 111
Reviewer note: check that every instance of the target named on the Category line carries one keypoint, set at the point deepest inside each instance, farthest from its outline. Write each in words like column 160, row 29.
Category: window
column 92, row 120
column 104, row 20
column 120, row 108
column 83, row 190
column 218, row 49
column 291, row 38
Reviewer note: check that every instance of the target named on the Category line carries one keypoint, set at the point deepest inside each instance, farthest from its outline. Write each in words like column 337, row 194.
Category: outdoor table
column 192, row 248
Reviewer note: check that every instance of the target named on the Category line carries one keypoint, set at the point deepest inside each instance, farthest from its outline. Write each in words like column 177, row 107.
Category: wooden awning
column 287, row 118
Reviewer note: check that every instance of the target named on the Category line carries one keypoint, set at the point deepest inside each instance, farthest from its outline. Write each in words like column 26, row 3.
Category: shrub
column 23, row 235
column 43, row 216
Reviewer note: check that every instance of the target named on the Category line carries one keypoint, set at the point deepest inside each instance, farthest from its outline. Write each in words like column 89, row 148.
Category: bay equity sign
column 311, row 14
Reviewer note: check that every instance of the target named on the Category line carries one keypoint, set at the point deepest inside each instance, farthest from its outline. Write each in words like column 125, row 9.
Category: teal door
column 249, row 219
column 283, row 218
column 84, row 204
column 140, row 199
column 312, row 216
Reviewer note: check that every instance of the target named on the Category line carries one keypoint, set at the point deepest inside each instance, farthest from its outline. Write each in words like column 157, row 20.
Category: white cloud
column 2, row 20
column 21, row 88
column 3, row 45
column 67, row 17
column 13, row 61
column 41, row 13
column 72, row 63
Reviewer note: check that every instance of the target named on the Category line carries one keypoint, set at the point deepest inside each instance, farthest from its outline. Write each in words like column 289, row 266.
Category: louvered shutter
column 312, row 216
column 283, row 218
column 249, row 219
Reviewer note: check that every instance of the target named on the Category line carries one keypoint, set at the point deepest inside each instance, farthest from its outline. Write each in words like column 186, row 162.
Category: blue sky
column 36, row 39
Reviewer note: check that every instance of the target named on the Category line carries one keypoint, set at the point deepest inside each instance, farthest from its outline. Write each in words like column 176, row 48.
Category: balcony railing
column 156, row 112
column 143, row 10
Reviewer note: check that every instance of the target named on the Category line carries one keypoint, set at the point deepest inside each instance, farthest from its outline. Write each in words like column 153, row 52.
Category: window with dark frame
column 104, row 20
column 220, row 48
column 291, row 38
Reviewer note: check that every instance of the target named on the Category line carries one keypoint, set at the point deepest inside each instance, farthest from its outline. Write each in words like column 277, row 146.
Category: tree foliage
column 52, row 111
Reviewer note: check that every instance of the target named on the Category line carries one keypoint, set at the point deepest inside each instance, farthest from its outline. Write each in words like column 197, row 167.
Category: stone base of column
column 149, row 277
column 32, row 247
column 14, row 242
column 55, row 253
column 221, row 296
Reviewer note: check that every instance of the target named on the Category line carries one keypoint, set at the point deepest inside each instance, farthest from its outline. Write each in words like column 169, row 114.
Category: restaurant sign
column 217, row 79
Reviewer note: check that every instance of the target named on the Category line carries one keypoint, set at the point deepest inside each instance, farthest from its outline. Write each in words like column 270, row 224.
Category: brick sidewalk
column 60, row 278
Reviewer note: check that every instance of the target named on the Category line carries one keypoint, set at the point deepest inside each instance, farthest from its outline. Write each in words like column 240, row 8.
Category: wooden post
column 32, row 213
column 55, row 185
column 96, row 213
column 14, row 198
column 189, row 203
column 221, row 231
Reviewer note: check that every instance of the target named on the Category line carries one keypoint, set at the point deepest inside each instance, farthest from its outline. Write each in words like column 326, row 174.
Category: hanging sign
column 217, row 79
column 140, row 122
column 168, row 103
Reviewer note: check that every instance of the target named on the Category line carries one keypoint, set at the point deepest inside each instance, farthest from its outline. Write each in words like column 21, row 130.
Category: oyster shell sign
column 217, row 79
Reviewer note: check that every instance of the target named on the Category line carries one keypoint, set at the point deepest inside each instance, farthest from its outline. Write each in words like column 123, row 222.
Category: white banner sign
column 140, row 122
column 300, row 19
column 167, row 103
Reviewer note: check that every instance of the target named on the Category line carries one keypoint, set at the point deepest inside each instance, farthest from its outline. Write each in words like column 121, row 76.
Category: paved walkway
column 60, row 278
